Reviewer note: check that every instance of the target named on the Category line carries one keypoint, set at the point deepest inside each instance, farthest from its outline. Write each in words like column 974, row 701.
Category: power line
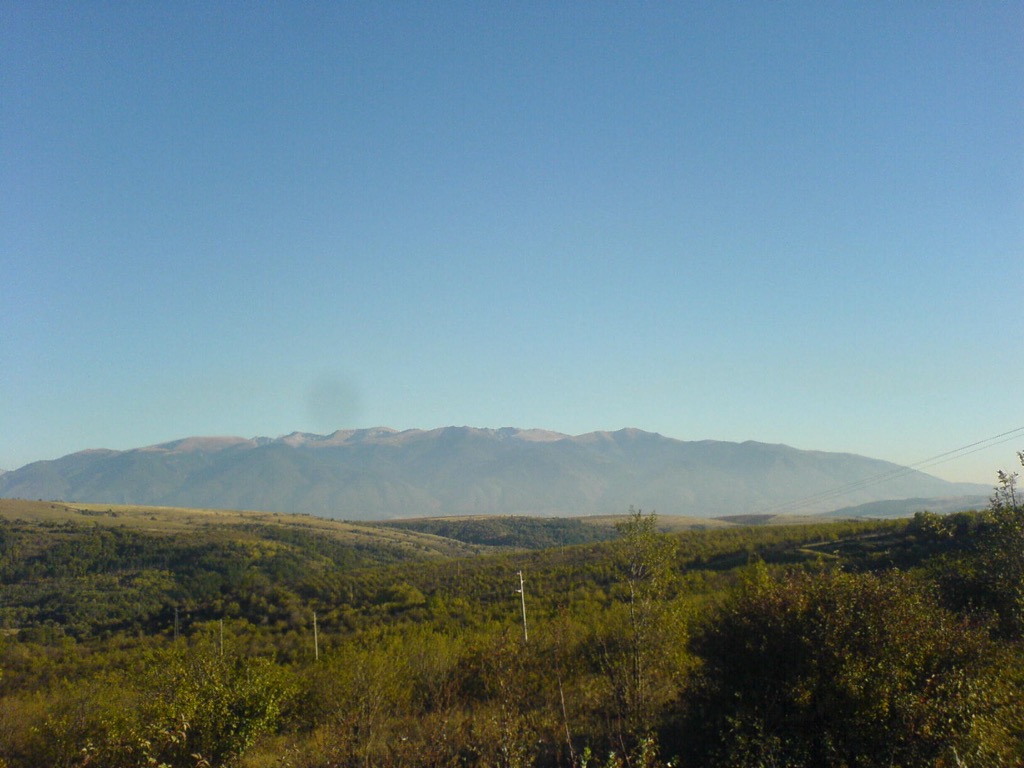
column 893, row 474
column 978, row 446
column 898, row 472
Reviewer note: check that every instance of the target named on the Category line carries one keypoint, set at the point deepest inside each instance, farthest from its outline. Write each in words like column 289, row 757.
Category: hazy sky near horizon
column 797, row 223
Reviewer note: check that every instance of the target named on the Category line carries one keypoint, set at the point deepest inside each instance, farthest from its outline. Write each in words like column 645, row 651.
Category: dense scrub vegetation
column 897, row 643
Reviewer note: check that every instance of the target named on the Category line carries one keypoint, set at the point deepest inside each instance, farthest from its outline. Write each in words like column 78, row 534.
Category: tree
column 1002, row 554
column 216, row 705
column 1005, row 499
column 645, row 638
column 978, row 558
column 842, row 669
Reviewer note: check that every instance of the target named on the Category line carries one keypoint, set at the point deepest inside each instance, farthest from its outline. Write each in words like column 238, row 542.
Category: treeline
column 850, row 644
column 510, row 531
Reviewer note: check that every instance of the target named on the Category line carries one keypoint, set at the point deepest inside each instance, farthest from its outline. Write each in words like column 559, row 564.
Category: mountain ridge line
column 382, row 473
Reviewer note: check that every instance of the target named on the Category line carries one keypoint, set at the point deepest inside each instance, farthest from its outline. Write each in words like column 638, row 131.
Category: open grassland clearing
column 176, row 520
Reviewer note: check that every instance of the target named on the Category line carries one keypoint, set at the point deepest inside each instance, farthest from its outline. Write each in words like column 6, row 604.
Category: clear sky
column 796, row 223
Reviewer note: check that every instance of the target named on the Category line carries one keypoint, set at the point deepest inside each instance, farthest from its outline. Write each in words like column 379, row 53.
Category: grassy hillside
column 174, row 520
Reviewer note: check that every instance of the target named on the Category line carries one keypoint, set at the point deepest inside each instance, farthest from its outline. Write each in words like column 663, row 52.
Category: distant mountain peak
column 533, row 435
column 190, row 444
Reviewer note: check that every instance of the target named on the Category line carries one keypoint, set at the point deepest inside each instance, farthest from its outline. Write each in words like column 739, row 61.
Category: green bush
column 842, row 669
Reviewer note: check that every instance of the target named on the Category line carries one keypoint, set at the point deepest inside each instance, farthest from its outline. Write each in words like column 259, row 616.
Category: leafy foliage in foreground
column 867, row 644
column 842, row 669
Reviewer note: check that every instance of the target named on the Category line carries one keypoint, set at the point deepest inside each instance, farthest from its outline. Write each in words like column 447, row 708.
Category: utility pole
column 222, row 637
column 522, row 597
column 175, row 623
column 316, row 641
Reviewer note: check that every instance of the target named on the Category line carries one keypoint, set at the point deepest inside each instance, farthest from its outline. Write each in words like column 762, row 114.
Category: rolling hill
column 382, row 473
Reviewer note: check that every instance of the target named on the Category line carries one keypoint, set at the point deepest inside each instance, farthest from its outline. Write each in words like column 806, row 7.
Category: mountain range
column 383, row 473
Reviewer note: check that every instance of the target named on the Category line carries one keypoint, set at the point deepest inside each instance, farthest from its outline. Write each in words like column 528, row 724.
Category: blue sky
column 790, row 222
